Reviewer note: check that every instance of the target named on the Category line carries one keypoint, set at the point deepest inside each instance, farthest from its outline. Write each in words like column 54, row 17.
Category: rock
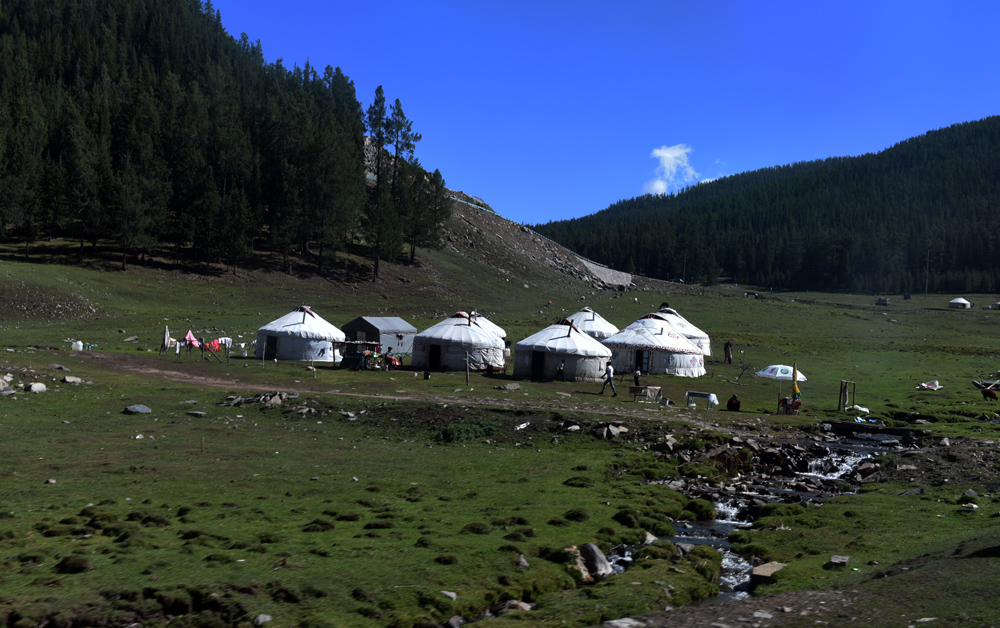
column 261, row 619
column 765, row 573
column 50, row 481
column 624, row 622
column 7, row 390
column 650, row 539
column 131, row 339
column 511, row 606
column 451, row 595
column 273, row 401
column 70, row 379
column 137, row 409
column 522, row 562
column 59, row 367
column 196, row 413
column 595, row 561
column 762, row 615
column 455, row 621
column 35, row 387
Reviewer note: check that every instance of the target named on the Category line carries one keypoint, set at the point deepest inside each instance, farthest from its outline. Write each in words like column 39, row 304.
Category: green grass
column 250, row 510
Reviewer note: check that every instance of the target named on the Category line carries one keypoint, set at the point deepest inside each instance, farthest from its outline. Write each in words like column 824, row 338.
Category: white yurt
column 444, row 346
column 680, row 324
column 593, row 324
column 655, row 350
column 960, row 303
column 300, row 335
column 538, row 356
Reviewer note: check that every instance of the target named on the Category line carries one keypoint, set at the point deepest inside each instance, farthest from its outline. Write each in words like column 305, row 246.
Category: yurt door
column 537, row 364
column 270, row 347
column 642, row 360
column 435, row 356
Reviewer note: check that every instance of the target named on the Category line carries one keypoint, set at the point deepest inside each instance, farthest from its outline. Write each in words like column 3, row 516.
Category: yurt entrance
column 537, row 364
column 642, row 360
column 270, row 347
column 435, row 356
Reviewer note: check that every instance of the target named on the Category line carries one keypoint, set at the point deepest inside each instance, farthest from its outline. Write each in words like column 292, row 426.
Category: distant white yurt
column 960, row 303
column 489, row 325
column 444, row 346
column 593, row 324
column 538, row 356
column 680, row 324
column 300, row 335
column 655, row 350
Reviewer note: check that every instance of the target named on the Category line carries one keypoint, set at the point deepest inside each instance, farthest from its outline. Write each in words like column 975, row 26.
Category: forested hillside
column 143, row 124
column 873, row 223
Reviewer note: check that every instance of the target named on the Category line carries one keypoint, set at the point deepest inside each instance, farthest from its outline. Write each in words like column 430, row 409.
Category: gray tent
column 389, row 331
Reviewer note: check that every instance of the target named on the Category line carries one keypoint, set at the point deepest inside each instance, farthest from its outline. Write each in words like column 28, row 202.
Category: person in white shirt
column 609, row 378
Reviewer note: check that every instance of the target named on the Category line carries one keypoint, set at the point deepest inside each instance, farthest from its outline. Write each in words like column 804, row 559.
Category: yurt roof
column 457, row 329
column 680, row 323
column 652, row 339
column 959, row 300
column 489, row 325
column 302, row 322
column 590, row 322
column 563, row 338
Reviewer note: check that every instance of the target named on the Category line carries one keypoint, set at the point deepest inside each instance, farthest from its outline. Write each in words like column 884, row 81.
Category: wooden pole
column 466, row 368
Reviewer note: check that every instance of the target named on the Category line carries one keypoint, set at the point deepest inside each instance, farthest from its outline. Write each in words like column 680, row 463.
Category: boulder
column 595, row 561
column 35, row 387
column 70, row 379
column 137, row 409
column 261, row 619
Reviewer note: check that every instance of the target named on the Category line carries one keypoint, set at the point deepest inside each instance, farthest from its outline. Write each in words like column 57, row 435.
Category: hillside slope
column 922, row 210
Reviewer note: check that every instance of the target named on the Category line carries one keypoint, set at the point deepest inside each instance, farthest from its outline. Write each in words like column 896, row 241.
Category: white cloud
column 674, row 171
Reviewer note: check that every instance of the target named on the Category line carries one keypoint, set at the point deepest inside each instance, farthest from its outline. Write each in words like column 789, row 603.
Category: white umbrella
column 780, row 371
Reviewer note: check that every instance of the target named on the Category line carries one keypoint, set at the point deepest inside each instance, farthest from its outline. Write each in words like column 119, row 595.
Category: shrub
column 73, row 564
column 627, row 518
column 476, row 528
column 317, row 525
column 577, row 514
column 579, row 481
column 466, row 430
column 446, row 559
column 702, row 509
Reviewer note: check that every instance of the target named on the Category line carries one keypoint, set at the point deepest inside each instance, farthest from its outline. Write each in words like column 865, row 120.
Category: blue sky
column 554, row 110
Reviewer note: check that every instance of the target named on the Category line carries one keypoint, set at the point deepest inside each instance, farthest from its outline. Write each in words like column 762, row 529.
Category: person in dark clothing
column 561, row 371
column 729, row 351
column 636, row 375
column 609, row 378
column 733, row 405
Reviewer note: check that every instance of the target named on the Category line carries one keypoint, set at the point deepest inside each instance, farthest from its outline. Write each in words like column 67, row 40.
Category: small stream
column 734, row 513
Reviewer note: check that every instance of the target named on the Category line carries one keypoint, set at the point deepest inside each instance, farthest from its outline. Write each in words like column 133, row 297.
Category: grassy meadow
column 383, row 499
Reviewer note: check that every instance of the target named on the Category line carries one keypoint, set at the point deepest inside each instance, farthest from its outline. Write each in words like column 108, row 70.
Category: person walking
column 609, row 378
column 729, row 351
column 561, row 371
column 636, row 375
